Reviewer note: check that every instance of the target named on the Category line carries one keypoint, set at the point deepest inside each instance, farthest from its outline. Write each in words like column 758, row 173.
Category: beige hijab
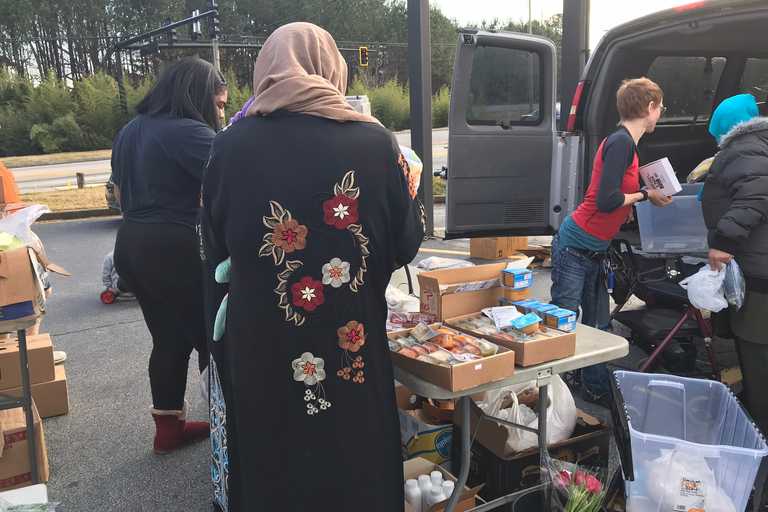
column 300, row 69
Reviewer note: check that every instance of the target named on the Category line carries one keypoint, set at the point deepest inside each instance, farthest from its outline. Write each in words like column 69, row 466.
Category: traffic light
column 363, row 56
column 215, row 26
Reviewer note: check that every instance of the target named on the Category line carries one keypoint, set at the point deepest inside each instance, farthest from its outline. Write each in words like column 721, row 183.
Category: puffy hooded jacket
column 735, row 199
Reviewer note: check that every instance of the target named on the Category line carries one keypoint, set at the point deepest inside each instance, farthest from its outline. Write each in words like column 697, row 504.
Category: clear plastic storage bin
column 689, row 439
column 676, row 228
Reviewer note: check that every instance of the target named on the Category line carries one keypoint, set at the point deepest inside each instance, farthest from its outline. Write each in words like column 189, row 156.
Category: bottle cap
column 424, row 479
column 448, row 487
column 411, row 483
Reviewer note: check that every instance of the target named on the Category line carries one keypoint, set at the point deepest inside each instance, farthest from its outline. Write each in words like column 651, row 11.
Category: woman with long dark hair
column 157, row 167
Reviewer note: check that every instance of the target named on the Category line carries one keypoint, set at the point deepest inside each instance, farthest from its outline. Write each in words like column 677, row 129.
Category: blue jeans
column 578, row 283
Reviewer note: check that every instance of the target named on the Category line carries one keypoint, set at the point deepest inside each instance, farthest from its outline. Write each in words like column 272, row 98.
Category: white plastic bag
column 438, row 263
column 19, row 224
column 705, row 289
column 400, row 302
column 561, row 414
column 680, row 480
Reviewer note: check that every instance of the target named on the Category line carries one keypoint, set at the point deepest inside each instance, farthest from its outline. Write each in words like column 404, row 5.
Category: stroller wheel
column 108, row 297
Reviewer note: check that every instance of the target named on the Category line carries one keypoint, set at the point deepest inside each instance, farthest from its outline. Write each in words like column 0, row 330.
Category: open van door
column 502, row 136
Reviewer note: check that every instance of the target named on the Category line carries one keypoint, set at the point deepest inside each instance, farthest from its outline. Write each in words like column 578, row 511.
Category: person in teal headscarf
column 735, row 207
column 732, row 111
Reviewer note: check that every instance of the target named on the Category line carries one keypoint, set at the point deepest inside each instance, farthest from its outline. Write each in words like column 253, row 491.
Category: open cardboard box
column 418, row 466
column 448, row 293
column 22, row 294
column 549, row 346
column 421, row 434
column 460, row 376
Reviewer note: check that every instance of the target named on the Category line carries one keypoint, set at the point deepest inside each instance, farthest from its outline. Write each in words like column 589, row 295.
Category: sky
column 604, row 14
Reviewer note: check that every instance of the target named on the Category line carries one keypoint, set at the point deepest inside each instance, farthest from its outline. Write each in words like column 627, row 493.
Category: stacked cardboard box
column 49, row 382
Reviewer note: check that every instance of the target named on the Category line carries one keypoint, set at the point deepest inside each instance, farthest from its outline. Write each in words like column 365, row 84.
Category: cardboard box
column 511, row 295
column 50, row 397
column 453, row 292
column 418, row 436
column 496, row 248
column 660, row 175
column 517, row 278
column 40, row 356
column 503, row 472
column 415, row 467
column 21, row 295
column 561, row 319
column 15, row 469
column 549, row 346
column 460, row 376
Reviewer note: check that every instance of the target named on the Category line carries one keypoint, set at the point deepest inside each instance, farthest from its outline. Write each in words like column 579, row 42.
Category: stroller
column 668, row 324
column 115, row 287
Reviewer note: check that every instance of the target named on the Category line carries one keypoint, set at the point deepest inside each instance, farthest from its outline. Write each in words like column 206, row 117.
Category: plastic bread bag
column 734, row 286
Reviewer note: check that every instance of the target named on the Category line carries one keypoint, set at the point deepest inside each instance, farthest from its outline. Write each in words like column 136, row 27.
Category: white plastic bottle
column 425, row 486
column 435, row 496
column 448, row 487
column 413, row 495
column 436, row 478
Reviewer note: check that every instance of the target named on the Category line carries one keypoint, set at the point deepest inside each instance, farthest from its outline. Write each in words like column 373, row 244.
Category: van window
column 504, row 88
column 689, row 85
column 755, row 78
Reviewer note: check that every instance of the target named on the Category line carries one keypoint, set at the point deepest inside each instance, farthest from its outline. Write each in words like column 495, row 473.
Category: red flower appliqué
column 340, row 211
column 308, row 294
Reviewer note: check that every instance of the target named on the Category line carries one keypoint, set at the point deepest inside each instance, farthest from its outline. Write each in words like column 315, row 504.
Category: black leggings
column 161, row 265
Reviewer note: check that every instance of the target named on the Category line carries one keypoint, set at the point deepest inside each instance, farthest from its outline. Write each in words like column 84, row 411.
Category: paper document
column 502, row 316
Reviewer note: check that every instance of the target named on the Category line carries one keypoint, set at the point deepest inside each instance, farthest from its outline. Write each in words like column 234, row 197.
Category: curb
column 107, row 212
column 78, row 214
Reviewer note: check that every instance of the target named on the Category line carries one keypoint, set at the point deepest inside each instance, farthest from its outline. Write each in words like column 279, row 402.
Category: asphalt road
column 100, row 453
column 46, row 177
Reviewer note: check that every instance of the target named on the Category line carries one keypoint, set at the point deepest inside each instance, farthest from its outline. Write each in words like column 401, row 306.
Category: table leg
column 466, row 452
column 26, row 393
column 543, row 402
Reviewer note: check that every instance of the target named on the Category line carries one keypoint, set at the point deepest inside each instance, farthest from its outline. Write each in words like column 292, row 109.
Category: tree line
column 57, row 67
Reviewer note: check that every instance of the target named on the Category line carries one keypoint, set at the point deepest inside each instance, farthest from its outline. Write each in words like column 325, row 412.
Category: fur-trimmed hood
column 756, row 124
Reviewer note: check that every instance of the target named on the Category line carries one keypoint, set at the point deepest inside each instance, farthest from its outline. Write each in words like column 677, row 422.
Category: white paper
column 520, row 263
column 502, row 316
column 660, row 175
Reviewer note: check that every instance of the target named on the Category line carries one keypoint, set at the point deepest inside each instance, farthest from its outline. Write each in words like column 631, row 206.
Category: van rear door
column 502, row 133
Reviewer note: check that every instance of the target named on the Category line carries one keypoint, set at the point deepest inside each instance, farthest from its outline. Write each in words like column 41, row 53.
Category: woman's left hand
column 718, row 258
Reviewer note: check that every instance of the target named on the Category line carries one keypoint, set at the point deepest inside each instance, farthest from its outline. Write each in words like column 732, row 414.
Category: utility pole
column 215, row 30
column 420, row 83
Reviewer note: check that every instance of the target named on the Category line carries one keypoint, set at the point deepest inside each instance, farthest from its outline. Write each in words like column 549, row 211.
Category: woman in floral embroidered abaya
column 308, row 208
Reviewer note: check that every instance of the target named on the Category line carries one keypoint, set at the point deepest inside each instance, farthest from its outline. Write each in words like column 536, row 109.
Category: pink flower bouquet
column 584, row 490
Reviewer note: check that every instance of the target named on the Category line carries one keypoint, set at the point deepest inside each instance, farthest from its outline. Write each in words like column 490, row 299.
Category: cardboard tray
column 528, row 353
column 461, row 376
